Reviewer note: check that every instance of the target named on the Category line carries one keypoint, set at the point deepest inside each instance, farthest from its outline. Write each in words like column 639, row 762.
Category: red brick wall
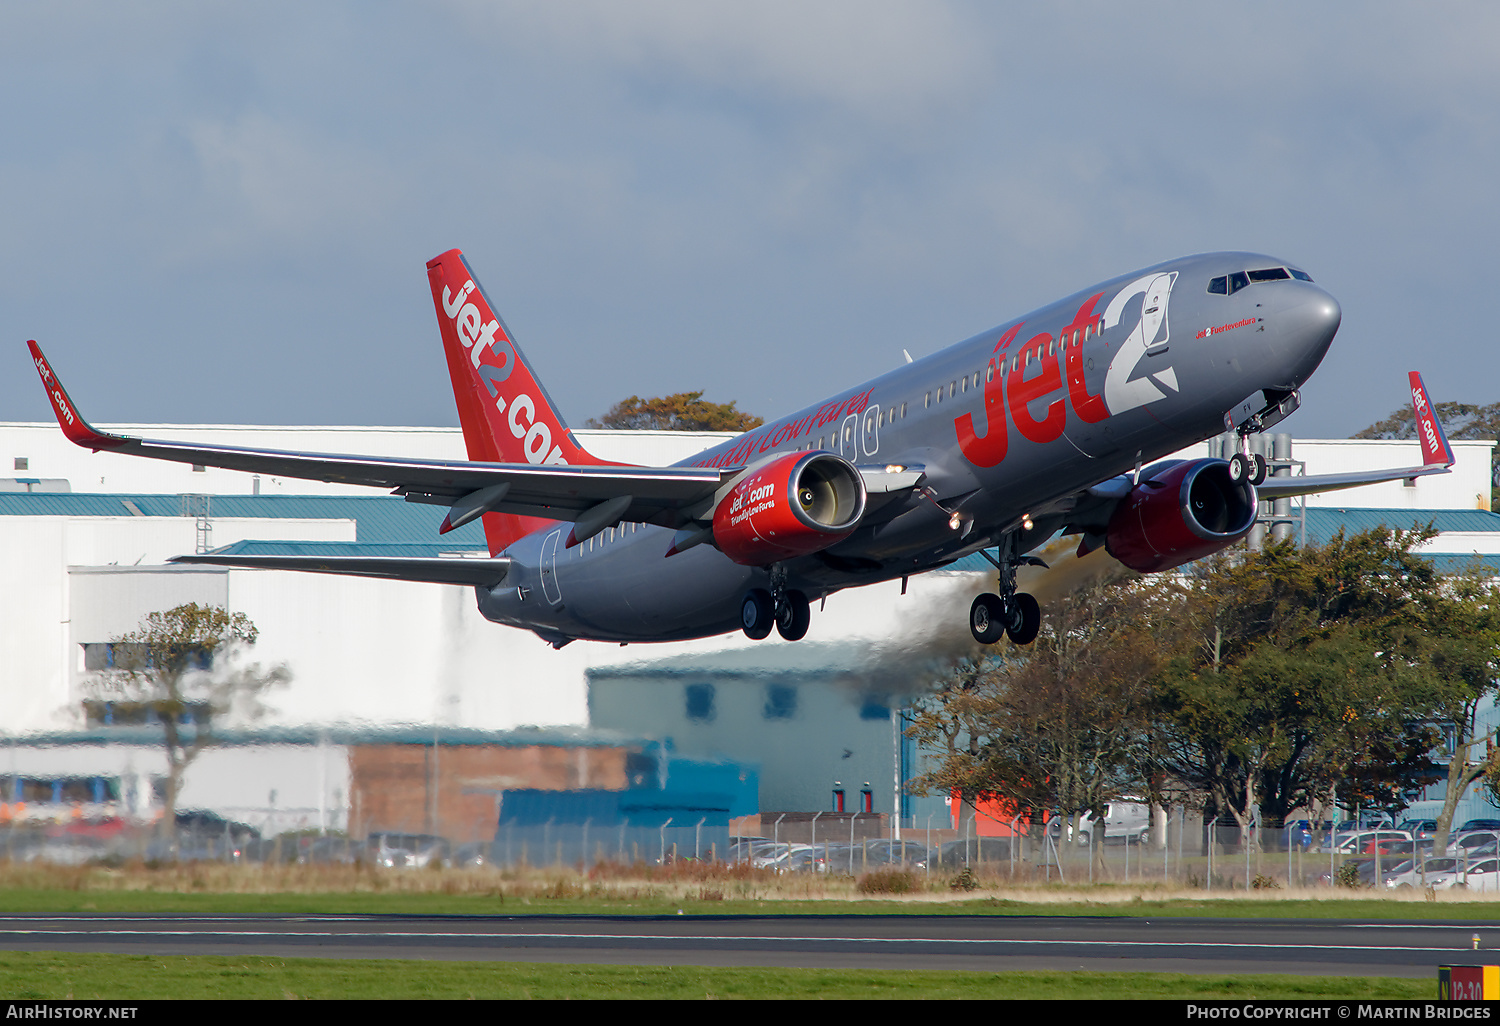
column 392, row 786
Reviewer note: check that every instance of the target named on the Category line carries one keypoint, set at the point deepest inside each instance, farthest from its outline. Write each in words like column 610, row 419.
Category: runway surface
column 983, row 943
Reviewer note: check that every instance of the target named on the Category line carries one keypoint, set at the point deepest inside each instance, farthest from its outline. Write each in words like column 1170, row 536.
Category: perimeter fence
column 1180, row 854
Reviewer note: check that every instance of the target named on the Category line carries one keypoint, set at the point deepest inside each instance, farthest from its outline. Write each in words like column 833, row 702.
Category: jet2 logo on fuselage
column 1122, row 391
column 1013, row 392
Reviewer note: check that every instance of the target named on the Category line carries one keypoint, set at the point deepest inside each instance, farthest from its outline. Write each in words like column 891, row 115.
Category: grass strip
column 1102, row 902
column 57, row 976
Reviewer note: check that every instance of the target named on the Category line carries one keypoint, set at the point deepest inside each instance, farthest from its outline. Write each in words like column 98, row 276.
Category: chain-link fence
column 1179, row 853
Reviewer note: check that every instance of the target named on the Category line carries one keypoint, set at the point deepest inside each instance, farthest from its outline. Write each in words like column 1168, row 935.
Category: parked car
column 1483, row 875
column 1363, row 841
column 1442, row 877
column 326, row 850
column 889, row 853
column 742, row 848
column 474, row 856
column 1490, row 825
column 1420, row 829
column 1366, row 820
column 763, row 854
column 975, row 850
column 1303, row 834
column 1475, row 842
column 1365, row 870
column 1410, row 874
column 406, row 851
column 204, row 824
column 802, row 858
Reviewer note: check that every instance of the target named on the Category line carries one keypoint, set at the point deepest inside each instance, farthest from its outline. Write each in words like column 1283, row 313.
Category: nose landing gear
column 1248, row 465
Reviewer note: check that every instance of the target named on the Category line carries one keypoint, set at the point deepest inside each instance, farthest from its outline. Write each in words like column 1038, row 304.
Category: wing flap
column 433, row 570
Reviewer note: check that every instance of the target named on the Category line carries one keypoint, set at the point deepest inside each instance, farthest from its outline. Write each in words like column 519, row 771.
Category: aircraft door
column 849, row 438
column 549, row 568
column 870, row 437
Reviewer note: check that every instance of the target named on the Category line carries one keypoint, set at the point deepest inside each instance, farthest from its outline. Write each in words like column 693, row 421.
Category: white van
column 1124, row 821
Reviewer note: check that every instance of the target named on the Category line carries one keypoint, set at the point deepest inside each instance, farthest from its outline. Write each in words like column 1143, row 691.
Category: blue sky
column 220, row 213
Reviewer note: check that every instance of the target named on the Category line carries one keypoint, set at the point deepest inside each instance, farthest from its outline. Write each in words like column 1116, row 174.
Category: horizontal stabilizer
column 433, row 570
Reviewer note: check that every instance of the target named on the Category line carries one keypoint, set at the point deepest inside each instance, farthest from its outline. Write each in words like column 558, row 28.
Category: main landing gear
column 1012, row 613
column 785, row 607
column 1020, row 619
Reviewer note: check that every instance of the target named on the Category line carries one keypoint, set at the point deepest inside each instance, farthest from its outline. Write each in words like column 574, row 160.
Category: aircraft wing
column 1437, row 457
column 668, row 496
column 435, row 570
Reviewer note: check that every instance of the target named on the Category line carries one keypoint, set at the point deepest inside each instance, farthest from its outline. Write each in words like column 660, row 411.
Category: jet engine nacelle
column 790, row 505
column 1185, row 511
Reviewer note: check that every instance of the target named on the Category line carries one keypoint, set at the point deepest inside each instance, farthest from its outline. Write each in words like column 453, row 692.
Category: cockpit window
column 1228, row 285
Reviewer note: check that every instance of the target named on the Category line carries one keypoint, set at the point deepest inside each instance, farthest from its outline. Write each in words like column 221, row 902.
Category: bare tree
column 1061, row 727
column 180, row 668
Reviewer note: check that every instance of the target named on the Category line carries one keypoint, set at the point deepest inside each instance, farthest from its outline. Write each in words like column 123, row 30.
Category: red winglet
column 74, row 426
column 1435, row 447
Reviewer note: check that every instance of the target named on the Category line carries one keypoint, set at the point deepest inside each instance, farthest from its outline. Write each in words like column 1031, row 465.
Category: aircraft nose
column 1314, row 320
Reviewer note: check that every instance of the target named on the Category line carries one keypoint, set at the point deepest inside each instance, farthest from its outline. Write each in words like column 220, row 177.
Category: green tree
column 180, row 667
column 1060, row 727
column 684, row 411
column 1296, row 672
column 1464, row 649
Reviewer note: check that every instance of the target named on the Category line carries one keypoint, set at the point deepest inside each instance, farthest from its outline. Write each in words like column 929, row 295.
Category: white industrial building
column 84, row 538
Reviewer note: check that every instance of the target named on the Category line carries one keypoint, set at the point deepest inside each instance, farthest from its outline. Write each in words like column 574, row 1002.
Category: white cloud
column 883, row 59
column 267, row 180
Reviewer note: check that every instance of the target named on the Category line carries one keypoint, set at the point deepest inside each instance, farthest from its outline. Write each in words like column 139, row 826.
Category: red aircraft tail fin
column 1435, row 447
column 506, row 414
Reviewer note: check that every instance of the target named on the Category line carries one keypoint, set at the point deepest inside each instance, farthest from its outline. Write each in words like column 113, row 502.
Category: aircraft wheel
column 1239, row 467
column 757, row 613
column 1026, row 619
column 1258, row 469
column 987, row 619
column 793, row 615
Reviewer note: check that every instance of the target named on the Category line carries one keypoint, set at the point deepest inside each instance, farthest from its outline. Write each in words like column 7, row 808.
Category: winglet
column 74, row 426
column 1435, row 447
